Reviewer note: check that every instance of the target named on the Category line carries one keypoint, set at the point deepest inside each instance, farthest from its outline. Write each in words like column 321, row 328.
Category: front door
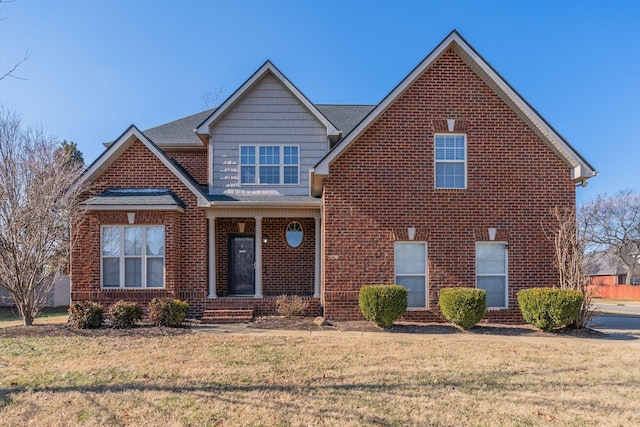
column 241, row 265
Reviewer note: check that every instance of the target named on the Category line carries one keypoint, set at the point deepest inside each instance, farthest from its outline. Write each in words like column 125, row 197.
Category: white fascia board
column 119, row 146
column 268, row 67
column 491, row 77
column 322, row 168
column 556, row 142
column 316, row 182
column 120, row 208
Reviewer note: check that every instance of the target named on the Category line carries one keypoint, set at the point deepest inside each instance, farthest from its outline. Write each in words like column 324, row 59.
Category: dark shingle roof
column 137, row 197
column 181, row 132
column 268, row 199
column 178, row 132
column 345, row 117
column 603, row 263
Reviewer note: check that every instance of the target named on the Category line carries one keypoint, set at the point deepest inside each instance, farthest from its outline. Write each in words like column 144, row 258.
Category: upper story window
column 269, row 164
column 132, row 256
column 451, row 161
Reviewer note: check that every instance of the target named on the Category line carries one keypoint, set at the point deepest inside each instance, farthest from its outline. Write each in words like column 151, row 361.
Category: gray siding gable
column 267, row 114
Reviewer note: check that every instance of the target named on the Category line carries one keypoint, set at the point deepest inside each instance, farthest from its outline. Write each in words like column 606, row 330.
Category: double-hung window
column 269, row 164
column 132, row 256
column 411, row 271
column 491, row 272
column 451, row 160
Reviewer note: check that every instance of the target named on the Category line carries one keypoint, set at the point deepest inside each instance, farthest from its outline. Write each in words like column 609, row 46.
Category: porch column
column 212, row 257
column 316, row 279
column 258, row 256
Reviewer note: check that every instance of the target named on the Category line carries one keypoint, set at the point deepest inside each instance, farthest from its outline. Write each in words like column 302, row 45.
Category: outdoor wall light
column 265, row 239
column 492, row 233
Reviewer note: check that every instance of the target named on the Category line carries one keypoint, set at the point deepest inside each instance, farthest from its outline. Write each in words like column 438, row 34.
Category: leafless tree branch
column 36, row 207
column 15, row 67
column 566, row 232
column 613, row 223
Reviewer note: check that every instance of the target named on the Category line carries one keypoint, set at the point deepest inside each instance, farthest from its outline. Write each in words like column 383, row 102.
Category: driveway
column 617, row 317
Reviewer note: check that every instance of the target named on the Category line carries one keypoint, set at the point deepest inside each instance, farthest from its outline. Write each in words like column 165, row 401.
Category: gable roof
column 135, row 198
column 604, row 263
column 120, row 145
column 345, row 117
column 179, row 133
column 580, row 168
column 203, row 129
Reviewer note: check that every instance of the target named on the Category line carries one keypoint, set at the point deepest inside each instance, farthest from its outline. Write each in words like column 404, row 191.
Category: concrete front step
column 226, row 316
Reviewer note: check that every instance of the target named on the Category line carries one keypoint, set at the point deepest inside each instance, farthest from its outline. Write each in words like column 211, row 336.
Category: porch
column 257, row 254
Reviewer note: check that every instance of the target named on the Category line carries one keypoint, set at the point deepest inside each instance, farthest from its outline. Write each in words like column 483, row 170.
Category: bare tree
column 566, row 231
column 11, row 71
column 35, row 210
column 211, row 99
column 613, row 223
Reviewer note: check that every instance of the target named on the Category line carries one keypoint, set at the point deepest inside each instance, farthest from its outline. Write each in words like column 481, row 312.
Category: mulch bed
column 295, row 324
column 306, row 324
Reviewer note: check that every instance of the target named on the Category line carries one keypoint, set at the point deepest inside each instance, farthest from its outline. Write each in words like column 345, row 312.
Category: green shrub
column 126, row 314
column 549, row 308
column 463, row 306
column 85, row 315
column 291, row 306
column 168, row 311
column 383, row 304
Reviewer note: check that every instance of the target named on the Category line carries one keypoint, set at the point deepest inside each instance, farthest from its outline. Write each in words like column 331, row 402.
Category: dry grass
column 10, row 317
column 344, row 379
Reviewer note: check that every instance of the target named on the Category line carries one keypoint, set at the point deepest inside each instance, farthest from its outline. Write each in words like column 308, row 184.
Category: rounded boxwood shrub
column 85, row 315
column 383, row 304
column 126, row 314
column 168, row 311
column 463, row 306
column 549, row 308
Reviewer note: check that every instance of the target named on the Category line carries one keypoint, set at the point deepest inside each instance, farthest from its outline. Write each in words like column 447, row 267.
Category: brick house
column 444, row 183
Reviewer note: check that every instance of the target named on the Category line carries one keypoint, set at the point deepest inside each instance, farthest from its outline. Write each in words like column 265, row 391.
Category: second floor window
column 269, row 164
column 451, row 161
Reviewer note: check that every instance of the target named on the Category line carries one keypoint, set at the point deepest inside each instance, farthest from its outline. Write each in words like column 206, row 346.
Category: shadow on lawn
column 332, row 394
column 507, row 330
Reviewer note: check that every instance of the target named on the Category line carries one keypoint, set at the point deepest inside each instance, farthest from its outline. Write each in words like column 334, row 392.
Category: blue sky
column 96, row 66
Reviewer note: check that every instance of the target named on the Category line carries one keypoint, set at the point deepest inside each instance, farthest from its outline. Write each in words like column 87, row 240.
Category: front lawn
column 343, row 379
column 9, row 316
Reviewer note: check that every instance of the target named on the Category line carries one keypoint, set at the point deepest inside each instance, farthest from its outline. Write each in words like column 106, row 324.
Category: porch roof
column 135, row 199
column 274, row 206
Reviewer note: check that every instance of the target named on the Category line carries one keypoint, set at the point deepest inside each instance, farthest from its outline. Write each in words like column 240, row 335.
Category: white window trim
column 426, row 271
column 436, row 161
column 286, row 230
column 257, row 165
column 121, row 258
column 506, row 271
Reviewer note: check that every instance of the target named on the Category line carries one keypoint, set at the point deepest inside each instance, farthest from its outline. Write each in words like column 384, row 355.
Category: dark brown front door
column 241, row 265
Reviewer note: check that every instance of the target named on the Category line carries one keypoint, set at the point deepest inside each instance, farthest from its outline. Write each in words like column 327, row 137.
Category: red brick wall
column 286, row 270
column 194, row 162
column 185, row 264
column 384, row 183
